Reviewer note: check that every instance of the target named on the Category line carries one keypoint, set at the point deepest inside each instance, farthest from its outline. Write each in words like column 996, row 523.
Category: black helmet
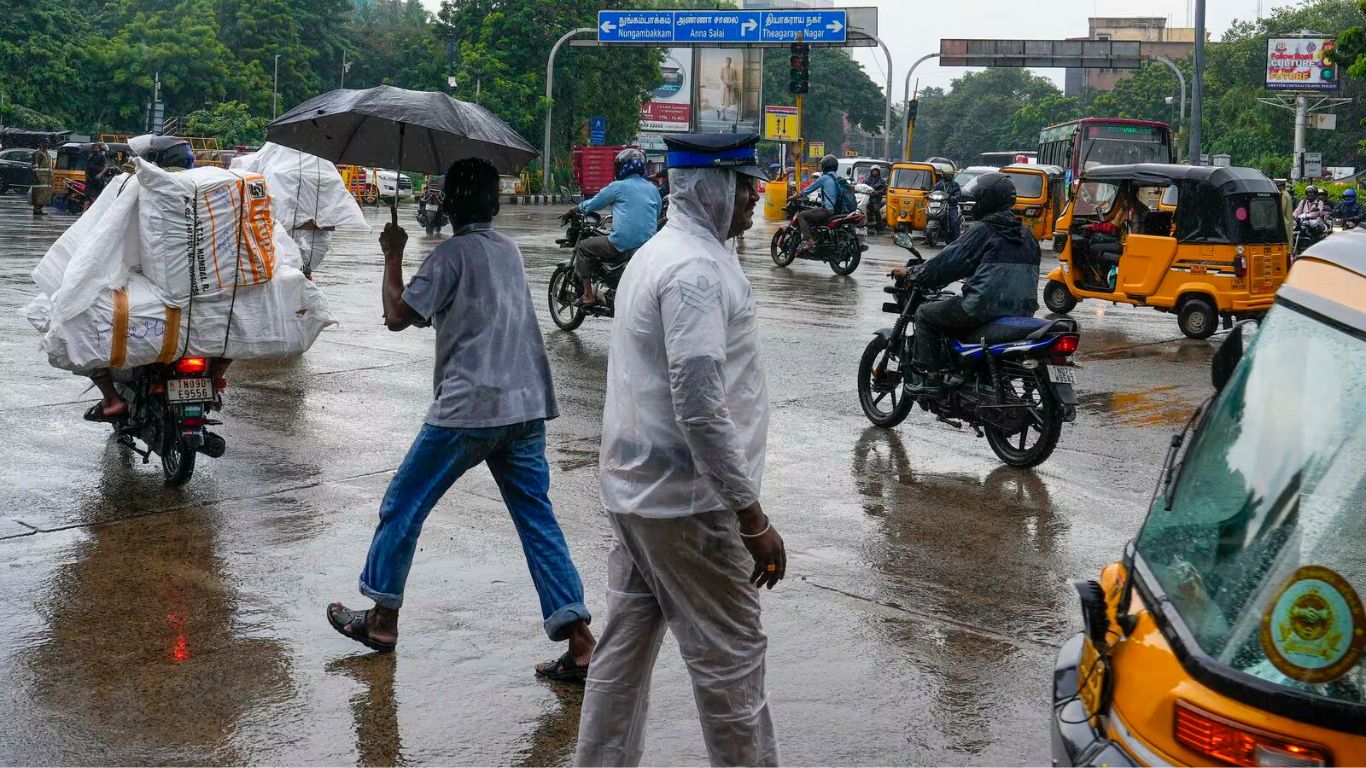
column 830, row 164
column 991, row 192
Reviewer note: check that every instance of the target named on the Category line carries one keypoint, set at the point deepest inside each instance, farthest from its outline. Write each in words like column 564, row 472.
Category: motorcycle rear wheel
column 889, row 407
column 563, row 311
column 1015, row 448
column 778, row 249
column 850, row 253
column 177, row 464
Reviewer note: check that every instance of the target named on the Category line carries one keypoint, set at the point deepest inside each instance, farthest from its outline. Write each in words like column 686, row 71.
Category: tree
column 230, row 122
column 842, row 99
column 991, row 110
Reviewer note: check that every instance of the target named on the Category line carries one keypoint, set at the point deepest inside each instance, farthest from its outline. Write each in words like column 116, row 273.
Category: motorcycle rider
column 878, row 199
column 833, row 202
column 635, row 205
column 948, row 186
column 1312, row 212
column 1349, row 210
column 173, row 154
column 998, row 263
column 429, row 206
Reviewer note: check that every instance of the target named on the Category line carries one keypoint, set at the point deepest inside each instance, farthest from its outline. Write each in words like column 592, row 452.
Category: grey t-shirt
column 491, row 367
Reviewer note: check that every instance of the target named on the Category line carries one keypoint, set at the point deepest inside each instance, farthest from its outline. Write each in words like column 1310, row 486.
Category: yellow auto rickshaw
column 1232, row 631
column 1040, row 193
column 1221, row 254
column 71, row 161
column 907, row 188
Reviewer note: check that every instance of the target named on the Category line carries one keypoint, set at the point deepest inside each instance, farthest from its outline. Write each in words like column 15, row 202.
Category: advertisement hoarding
column 669, row 109
column 729, row 90
column 1300, row 64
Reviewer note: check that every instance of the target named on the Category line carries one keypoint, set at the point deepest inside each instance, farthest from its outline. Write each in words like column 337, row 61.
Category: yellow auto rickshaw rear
column 1233, row 630
column 1039, row 196
column 907, row 189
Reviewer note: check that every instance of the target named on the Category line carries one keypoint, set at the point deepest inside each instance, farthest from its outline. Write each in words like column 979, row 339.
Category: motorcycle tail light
column 193, row 421
column 189, row 365
column 1067, row 343
column 158, row 389
column 1236, row 744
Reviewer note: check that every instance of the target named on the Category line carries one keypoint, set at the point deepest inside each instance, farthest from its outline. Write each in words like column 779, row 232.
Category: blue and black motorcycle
column 1011, row 380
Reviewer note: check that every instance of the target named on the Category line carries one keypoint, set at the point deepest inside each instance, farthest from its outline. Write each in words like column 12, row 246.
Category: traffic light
column 912, row 107
column 801, row 69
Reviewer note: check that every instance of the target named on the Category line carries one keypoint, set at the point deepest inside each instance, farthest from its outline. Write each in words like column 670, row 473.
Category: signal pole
column 798, row 86
column 1197, row 84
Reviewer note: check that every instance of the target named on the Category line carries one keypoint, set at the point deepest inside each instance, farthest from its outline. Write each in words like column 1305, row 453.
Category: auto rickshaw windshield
column 1258, row 540
column 1028, row 185
column 1095, row 198
column 912, row 178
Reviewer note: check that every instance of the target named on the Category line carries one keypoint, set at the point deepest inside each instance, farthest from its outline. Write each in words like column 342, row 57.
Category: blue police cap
column 732, row 151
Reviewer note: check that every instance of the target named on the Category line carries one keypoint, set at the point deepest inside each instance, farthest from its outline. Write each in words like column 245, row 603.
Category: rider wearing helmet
column 635, row 217
column 1349, row 209
column 831, row 200
column 998, row 262
column 1312, row 212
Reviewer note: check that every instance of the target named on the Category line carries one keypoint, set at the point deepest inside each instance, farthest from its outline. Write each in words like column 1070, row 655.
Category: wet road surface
column 928, row 586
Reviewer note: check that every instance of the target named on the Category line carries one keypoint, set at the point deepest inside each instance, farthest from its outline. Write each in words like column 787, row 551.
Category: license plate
column 189, row 390
column 1062, row 374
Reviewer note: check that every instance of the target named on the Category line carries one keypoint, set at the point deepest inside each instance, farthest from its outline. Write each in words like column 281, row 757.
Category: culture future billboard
column 1300, row 64
column 669, row 109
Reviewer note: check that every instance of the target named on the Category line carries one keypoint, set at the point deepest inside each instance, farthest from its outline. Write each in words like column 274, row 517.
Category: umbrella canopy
column 389, row 127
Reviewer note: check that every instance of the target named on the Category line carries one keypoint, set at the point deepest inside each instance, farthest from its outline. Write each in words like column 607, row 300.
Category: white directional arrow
column 748, row 26
column 608, row 26
column 835, row 26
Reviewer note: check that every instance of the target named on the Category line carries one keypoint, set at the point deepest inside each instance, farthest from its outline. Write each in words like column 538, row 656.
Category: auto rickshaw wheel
column 1197, row 318
column 371, row 195
column 1058, row 298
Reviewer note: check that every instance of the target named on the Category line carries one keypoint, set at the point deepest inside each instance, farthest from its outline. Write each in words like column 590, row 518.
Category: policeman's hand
column 764, row 545
column 392, row 240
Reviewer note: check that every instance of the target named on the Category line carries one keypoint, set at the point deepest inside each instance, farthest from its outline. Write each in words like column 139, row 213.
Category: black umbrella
column 423, row 131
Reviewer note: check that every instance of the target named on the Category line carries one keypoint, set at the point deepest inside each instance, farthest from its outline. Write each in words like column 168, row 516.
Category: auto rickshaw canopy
column 1215, row 205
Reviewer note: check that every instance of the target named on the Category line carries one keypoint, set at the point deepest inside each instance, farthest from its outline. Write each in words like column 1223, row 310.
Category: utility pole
column 1301, row 123
column 798, row 85
column 1197, row 87
column 275, row 91
column 343, row 74
column 911, row 105
column 1181, row 81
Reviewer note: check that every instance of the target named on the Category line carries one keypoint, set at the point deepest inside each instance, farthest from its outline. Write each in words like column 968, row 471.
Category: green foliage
column 231, row 122
column 969, row 119
column 842, row 96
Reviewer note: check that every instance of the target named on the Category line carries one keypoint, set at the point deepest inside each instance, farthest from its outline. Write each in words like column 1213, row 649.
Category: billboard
column 729, row 89
column 669, row 109
column 1299, row 64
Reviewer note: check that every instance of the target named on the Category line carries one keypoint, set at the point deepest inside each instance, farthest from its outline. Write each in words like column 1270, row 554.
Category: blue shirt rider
column 635, row 217
column 829, row 189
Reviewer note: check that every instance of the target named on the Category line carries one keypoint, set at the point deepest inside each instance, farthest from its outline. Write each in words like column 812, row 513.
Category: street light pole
column 275, row 91
column 887, row 115
column 1180, row 78
column 343, row 74
column 910, row 124
column 550, row 101
column 1197, row 87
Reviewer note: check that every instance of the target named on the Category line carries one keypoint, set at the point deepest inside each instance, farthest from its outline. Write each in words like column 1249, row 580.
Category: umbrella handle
column 398, row 173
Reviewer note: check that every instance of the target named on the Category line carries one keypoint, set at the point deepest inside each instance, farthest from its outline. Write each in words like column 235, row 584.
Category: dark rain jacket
column 998, row 262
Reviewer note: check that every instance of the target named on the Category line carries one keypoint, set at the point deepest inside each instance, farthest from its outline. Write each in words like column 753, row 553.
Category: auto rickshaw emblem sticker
column 1314, row 628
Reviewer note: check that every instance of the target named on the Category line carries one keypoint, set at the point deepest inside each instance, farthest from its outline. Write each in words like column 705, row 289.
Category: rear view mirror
column 1226, row 360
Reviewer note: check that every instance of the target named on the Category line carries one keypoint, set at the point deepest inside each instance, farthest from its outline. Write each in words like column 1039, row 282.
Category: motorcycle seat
column 848, row 218
column 1004, row 330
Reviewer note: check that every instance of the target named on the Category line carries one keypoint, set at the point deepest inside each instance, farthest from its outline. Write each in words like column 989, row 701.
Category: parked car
column 385, row 181
column 16, row 170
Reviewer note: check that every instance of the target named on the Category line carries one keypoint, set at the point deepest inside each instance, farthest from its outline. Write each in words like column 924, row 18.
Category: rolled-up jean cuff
column 557, row 626
column 392, row 602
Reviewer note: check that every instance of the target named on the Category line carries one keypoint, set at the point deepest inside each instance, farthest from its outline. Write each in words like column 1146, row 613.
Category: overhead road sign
column 714, row 28
column 1112, row 54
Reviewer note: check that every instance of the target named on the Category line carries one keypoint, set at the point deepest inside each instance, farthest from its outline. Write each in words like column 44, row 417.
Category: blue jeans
column 515, row 454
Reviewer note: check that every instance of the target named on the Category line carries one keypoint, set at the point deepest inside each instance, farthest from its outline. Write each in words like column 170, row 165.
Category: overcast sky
column 913, row 28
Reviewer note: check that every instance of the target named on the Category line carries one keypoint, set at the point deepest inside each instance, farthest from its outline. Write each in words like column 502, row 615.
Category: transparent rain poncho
column 686, row 416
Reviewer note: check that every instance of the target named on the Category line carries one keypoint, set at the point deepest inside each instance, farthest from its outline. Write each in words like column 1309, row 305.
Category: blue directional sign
column 723, row 27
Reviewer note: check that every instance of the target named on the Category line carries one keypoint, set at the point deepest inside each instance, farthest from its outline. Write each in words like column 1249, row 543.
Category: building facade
column 1158, row 39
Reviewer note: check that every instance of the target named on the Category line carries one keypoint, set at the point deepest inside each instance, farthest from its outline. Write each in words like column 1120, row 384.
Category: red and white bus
column 1080, row 144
